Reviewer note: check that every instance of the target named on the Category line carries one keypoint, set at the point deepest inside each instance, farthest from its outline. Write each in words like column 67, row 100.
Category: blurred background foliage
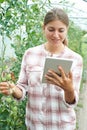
column 21, row 21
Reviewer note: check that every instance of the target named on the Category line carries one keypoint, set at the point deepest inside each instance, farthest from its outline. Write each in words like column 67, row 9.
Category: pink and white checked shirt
column 46, row 107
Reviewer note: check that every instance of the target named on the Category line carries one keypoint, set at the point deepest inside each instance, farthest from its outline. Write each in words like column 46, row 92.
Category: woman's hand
column 65, row 81
column 7, row 88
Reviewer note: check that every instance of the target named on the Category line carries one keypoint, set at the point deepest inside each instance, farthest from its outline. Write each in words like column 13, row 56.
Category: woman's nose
column 56, row 34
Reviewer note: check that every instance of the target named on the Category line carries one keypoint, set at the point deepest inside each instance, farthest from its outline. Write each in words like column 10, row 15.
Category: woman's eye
column 61, row 30
column 51, row 30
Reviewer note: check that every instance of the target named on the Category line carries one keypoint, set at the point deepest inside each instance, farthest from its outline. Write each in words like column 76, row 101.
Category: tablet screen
column 53, row 63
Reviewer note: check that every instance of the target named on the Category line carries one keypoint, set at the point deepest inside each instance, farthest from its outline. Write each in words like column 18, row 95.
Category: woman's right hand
column 7, row 88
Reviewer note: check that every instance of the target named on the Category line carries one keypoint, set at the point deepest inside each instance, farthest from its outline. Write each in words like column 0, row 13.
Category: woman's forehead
column 56, row 23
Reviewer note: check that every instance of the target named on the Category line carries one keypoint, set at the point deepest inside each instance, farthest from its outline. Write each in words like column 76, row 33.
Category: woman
column 50, row 105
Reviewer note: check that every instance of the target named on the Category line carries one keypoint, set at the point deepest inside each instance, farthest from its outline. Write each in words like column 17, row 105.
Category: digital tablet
column 53, row 63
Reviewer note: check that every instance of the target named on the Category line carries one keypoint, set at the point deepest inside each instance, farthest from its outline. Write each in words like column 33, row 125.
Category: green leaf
column 1, row 1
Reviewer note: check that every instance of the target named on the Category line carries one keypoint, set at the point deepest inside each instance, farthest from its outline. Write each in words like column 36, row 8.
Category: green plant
column 12, row 17
column 12, row 114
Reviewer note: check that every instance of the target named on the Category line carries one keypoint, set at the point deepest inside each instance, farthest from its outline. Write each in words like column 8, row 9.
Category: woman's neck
column 54, row 49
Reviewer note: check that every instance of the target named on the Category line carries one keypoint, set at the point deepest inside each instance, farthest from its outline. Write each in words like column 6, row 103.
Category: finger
column 4, row 84
column 62, row 72
column 49, row 73
column 6, row 92
column 70, row 75
column 53, row 74
column 51, row 80
column 4, row 88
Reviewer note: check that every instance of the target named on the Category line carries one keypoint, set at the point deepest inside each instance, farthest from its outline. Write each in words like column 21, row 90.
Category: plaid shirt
column 46, row 107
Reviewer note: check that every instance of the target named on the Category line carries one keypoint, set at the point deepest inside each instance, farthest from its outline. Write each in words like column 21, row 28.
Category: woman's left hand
column 65, row 81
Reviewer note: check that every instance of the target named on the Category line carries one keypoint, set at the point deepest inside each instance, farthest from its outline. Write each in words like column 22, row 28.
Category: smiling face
column 55, row 32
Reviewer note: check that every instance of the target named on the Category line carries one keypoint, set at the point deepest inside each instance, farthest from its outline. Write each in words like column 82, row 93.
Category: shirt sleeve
column 22, row 82
column 72, row 104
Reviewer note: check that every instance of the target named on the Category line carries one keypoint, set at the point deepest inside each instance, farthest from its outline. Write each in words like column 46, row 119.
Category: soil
column 81, row 109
